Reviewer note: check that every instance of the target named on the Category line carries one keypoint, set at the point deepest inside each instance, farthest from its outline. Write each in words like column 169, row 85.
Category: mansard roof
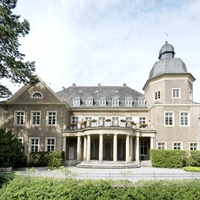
column 97, row 92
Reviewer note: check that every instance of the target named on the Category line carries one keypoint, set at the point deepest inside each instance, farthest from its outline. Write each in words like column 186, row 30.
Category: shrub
column 167, row 158
column 192, row 169
column 55, row 159
column 11, row 150
column 38, row 159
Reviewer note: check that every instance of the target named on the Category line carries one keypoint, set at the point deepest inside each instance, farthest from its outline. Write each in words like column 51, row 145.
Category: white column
column 101, row 148
column 115, row 148
column 152, row 143
column 78, row 148
column 64, row 144
column 85, row 149
column 88, row 147
column 137, row 151
column 127, row 148
column 131, row 148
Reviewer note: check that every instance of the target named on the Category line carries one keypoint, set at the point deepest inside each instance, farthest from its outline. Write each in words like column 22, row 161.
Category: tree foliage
column 12, row 64
column 11, row 150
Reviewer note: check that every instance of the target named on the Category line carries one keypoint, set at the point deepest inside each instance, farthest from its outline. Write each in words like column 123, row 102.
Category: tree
column 12, row 64
column 11, row 150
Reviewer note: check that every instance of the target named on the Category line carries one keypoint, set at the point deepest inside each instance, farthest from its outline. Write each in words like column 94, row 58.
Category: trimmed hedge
column 41, row 159
column 27, row 187
column 167, row 158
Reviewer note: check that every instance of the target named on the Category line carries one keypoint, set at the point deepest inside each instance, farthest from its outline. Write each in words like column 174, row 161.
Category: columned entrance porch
column 106, row 146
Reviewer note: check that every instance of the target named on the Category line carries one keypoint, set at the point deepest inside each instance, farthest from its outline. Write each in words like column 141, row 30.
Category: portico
column 108, row 144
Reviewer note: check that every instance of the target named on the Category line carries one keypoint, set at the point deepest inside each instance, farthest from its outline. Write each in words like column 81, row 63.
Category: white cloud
column 108, row 41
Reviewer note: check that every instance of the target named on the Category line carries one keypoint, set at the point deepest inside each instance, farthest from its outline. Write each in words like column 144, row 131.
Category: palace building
column 109, row 123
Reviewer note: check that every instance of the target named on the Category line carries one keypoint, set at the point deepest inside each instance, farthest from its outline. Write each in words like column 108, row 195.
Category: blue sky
column 108, row 41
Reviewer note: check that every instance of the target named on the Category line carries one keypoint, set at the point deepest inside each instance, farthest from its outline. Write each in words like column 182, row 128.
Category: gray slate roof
column 168, row 66
column 122, row 92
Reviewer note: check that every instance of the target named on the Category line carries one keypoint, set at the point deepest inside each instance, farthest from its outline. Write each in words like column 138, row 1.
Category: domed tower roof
column 167, row 51
column 167, row 64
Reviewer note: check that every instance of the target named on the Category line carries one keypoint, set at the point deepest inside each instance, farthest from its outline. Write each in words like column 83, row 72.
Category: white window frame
column 142, row 120
column 89, row 101
column 160, row 146
column 36, row 95
column 191, row 148
column 21, row 139
column 181, row 145
column 32, row 116
column 176, row 93
column 128, row 102
column 48, row 118
column 141, row 102
column 157, row 95
column 77, row 101
column 21, row 119
column 46, row 143
column 102, row 101
column 115, row 101
column 169, row 125
column 30, row 143
column 188, row 119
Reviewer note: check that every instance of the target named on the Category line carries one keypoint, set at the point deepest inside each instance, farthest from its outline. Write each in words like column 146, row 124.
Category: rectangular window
column 175, row 93
column 34, row 144
column 142, row 120
column 102, row 102
column 51, row 118
column 141, row 102
column 76, row 101
column 161, row 145
column 35, row 118
column 89, row 102
column 50, row 144
column 157, row 95
column 128, row 102
column 177, row 146
column 169, row 118
column 115, row 102
column 19, row 118
column 74, row 122
column 184, row 119
column 193, row 146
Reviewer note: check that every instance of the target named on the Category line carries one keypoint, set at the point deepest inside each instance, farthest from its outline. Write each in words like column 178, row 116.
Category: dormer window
column 36, row 95
column 102, row 101
column 89, row 101
column 115, row 101
column 76, row 101
column 141, row 102
column 128, row 101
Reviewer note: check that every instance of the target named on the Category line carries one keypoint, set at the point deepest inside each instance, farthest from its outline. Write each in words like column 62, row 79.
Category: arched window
column 36, row 95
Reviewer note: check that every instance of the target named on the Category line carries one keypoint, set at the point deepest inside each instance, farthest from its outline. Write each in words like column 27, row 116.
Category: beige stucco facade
column 126, row 124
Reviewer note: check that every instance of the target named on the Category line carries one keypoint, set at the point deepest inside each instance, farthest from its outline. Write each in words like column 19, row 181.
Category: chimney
column 74, row 84
column 124, row 84
column 99, row 84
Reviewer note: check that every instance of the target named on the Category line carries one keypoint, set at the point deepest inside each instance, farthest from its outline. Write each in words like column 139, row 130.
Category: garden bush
column 38, row 159
column 167, row 158
column 27, row 187
column 192, row 169
column 55, row 159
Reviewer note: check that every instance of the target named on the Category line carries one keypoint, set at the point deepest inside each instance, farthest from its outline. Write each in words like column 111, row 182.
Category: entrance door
column 143, row 150
column 72, row 153
column 108, row 151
